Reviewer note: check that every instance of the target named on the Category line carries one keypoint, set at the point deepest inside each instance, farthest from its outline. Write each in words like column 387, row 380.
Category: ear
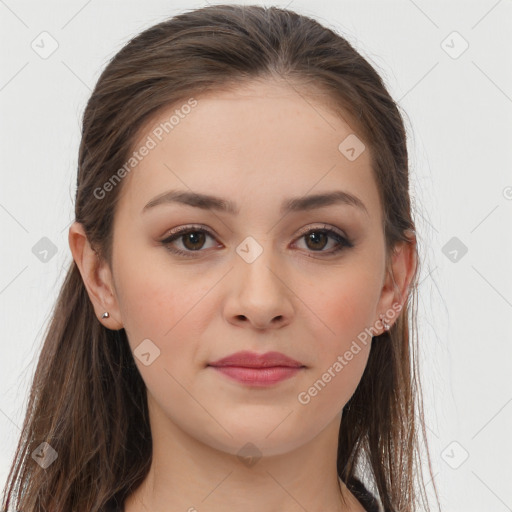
column 400, row 270
column 97, row 277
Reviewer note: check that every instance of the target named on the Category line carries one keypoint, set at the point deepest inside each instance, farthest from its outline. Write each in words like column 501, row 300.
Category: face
column 303, row 281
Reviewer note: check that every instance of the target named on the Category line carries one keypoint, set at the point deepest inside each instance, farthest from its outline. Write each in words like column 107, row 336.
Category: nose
column 259, row 294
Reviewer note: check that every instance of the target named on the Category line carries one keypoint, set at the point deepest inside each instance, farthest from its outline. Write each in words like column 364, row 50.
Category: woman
column 233, row 331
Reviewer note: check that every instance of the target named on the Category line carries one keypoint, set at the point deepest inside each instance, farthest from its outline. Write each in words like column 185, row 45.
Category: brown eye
column 193, row 240
column 316, row 240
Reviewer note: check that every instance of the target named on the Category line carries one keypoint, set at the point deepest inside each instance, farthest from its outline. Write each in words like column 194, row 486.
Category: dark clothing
column 365, row 497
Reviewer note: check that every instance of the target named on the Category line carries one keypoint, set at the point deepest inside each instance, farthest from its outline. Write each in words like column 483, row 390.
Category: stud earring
column 384, row 323
column 105, row 315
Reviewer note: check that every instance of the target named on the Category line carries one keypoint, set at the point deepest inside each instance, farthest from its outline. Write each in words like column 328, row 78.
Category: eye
column 316, row 239
column 193, row 238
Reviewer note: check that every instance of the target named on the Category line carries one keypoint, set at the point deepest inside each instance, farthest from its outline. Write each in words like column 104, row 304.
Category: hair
column 87, row 399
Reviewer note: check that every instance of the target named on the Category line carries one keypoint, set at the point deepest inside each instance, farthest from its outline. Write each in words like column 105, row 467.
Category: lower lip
column 258, row 376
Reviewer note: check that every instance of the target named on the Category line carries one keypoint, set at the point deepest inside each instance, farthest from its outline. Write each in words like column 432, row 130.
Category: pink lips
column 257, row 369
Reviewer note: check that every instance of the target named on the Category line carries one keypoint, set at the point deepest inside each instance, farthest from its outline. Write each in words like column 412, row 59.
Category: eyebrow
column 294, row 204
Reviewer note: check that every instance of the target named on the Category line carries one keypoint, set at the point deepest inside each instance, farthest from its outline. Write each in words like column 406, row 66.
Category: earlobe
column 97, row 277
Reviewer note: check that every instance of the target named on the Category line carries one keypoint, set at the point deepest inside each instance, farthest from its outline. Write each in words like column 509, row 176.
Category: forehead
column 255, row 142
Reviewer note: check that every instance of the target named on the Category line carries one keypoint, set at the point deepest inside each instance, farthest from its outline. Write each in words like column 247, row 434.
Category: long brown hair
column 88, row 400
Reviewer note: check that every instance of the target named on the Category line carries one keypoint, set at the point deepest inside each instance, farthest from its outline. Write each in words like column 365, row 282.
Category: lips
column 246, row 359
column 257, row 370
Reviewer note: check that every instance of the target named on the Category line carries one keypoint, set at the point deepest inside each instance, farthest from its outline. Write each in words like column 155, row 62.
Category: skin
column 255, row 146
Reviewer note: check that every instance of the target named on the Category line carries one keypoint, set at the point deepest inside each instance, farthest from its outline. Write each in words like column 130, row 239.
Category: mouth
column 258, row 370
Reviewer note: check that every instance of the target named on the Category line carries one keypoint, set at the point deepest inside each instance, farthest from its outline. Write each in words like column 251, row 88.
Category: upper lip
column 254, row 360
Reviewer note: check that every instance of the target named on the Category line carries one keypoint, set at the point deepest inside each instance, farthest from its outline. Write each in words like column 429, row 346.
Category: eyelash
column 343, row 242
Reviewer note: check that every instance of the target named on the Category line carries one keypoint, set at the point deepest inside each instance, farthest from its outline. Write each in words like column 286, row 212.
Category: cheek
column 172, row 308
column 155, row 299
column 346, row 310
column 160, row 307
column 346, row 305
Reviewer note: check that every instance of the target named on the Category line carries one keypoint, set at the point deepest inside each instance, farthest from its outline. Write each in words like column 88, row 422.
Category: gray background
column 458, row 114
